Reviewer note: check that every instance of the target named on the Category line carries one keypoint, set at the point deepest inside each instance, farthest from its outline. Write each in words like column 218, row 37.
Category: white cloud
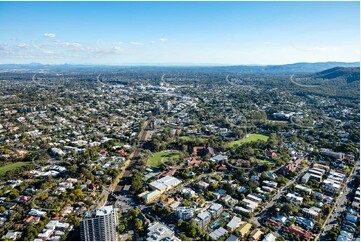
column 68, row 44
column 163, row 39
column 117, row 43
column 153, row 42
column 267, row 43
column 136, row 43
column 49, row 35
column 23, row 45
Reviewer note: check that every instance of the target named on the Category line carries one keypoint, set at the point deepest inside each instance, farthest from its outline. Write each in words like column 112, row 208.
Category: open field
column 12, row 166
column 187, row 138
column 250, row 138
column 156, row 158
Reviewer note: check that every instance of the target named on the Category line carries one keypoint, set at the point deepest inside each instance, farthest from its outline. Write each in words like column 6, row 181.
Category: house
column 245, row 228
column 305, row 222
column 184, row 213
column 234, row 223
column 254, row 198
column 232, row 238
column 229, row 200
column 249, row 204
column 12, row 235
column 255, row 235
column 291, row 197
column 304, row 189
column 216, row 234
column 273, row 222
column 297, row 231
column 269, row 237
column 31, row 219
column 312, row 212
column 203, row 185
column 203, row 219
column 270, row 184
column 215, row 210
column 306, row 178
column 219, row 158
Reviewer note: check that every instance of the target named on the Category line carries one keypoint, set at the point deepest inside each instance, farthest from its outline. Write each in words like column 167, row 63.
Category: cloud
column 49, row 35
column 136, row 43
column 23, row 45
column 153, row 42
column 267, row 43
column 117, row 43
column 163, row 39
column 68, row 44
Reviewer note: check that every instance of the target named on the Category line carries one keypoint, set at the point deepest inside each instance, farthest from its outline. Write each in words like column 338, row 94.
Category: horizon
column 179, row 33
column 180, row 64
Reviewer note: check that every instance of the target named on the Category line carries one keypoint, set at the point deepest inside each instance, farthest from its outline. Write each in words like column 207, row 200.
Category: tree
column 136, row 182
column 121, row 228
column 193, row 232
column 138, row 223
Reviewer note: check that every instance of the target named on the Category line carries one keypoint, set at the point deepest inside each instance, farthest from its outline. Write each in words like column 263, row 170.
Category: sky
column 136, row 33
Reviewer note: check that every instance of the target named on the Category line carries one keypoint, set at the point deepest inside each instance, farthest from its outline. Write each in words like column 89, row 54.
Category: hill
column 350, row 74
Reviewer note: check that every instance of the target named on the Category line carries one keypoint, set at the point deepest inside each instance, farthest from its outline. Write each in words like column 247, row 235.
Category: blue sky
column 179, row 32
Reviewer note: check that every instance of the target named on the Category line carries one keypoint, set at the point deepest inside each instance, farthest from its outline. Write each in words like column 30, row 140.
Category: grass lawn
column 261, row 161
column 162, row 156
column 250, row 138
column 187, row 138
column 12, row 166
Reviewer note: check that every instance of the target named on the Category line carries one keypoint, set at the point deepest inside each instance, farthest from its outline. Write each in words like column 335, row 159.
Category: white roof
column 203, row 215
column 235, row 221
column 269, row 237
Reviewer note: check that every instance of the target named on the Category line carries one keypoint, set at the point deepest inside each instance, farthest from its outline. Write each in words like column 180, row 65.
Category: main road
column 339, row 206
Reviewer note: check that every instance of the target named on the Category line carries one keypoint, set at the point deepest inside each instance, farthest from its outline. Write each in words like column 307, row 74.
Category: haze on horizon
column 120, row 33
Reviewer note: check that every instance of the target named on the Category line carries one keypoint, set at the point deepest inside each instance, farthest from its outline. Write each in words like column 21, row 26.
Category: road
column 339, row 206
column 256, row 218
column 126, row 169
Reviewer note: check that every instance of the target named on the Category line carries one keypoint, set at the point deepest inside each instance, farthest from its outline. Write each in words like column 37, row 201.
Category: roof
column 245, row 228
column 203, row 215
column 234, row 223
column 104, row 210
column 269, row 237
column 232, row 238
column 218, row 233
column 256, row 234
column 165, row 182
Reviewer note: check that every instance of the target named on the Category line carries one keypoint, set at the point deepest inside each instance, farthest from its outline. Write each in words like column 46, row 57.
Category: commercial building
column 100, row 225
column 164, row 184
column 160, row 232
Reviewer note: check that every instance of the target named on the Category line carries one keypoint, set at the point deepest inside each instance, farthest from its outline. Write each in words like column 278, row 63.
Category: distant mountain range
column 302, row 67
